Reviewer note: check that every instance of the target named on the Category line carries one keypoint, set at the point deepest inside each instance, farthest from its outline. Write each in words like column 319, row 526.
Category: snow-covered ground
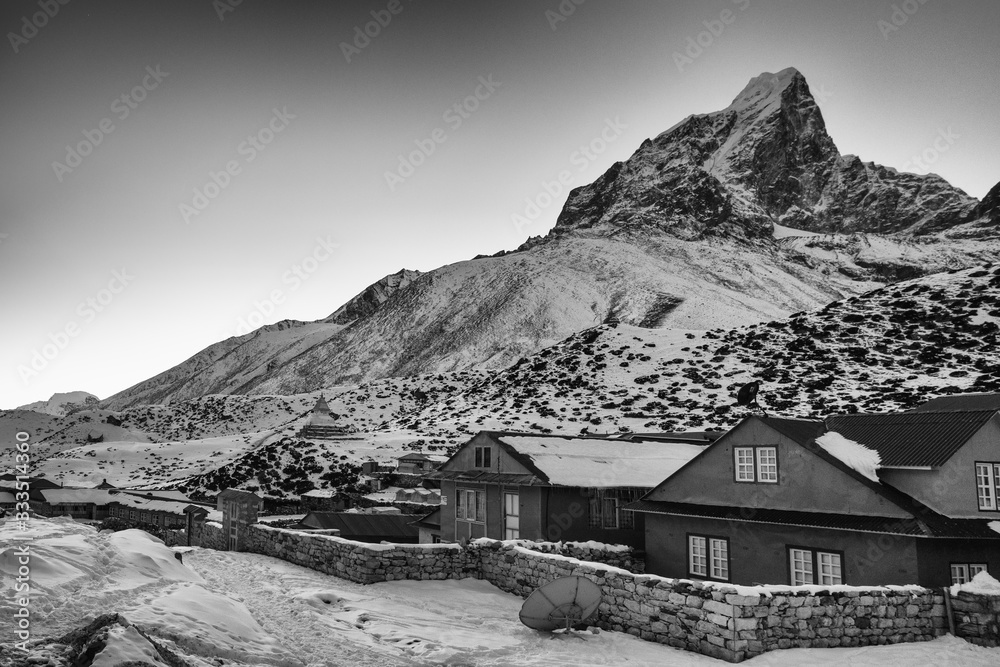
column 248, row 609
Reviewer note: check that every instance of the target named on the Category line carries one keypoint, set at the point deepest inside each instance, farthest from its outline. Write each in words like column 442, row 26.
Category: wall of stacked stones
column 977, row 618
column 359, row 561
column 714, row 620
column 717, row 621
column 208, row 534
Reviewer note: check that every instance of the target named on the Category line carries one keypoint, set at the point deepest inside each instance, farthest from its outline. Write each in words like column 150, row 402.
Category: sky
column 179, row 172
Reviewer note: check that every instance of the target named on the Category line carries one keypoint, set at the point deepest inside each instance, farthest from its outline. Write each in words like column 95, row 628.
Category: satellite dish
column 561, row 604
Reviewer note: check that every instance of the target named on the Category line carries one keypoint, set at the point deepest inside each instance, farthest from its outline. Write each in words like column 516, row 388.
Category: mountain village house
column 789, row 501
column 541, row 487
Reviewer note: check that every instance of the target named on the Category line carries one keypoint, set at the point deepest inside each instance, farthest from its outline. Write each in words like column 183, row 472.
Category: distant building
column 416, row 463
column 171, row 514
column 323, row 424
column 88, row 504
column 325, row 500
column 429, row 527
column 505, row 485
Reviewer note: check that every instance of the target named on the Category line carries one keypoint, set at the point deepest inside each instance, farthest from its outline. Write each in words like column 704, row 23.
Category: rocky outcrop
column 765, row 158
column 373, row 296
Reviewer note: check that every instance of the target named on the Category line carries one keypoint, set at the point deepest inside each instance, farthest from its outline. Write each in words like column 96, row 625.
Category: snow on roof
column 863, row 459
column 172, row 506
column 595, row 463
column 78, row 496
column 168, row 494
column 981, row 584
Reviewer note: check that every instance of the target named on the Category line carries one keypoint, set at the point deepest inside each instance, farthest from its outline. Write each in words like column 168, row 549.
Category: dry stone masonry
column 729, row 622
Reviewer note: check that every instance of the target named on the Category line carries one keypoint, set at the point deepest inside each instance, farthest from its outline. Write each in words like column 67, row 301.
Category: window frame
column 992, row 484
column 618, row 497
column 462, row 506
column 755, row 462
column 483, row 457
column 710, row 560
column 968, row 573
column 814, row 563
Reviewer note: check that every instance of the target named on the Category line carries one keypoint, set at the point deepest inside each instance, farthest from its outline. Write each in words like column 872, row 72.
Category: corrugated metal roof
column 931, row 525
column 354, row 525
column 912, row 438
column 799, row 430
column 486, row 477
column 960, row 402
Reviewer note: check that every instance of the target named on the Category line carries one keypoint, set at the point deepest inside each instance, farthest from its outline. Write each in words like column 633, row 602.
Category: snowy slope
column 887, row 350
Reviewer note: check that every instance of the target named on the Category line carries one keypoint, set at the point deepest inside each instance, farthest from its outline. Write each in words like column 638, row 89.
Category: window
column 756, row 464
column 988, row 485
column 483, row 457
column 606, row 507
column 708, row 557
column 962, row 573
column 471, row 505
column 807, row 566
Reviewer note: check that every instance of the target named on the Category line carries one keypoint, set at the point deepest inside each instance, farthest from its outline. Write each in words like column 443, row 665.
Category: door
column 511, row 517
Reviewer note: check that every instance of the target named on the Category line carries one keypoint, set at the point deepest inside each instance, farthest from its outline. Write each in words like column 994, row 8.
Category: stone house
column 766, row 503
column 505, row 485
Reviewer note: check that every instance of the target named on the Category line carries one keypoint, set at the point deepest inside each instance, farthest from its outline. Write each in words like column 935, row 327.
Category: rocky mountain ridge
column 680, row 235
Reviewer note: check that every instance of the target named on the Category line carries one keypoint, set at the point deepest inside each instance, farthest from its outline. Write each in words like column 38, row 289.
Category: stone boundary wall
column 728, row 622
column 716, row 620
column 208, row 534
column 626, row 558
column 361, row 562
column 977, row 617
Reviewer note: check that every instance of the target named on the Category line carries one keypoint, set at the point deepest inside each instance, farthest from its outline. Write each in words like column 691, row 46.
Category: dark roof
column 930, row 524
column 693, row 437
column 486, row 477
column 353, row 525
column 430, row 520
column 912, row 438
column 961, row 402
column 799, row 430
column 236, row 494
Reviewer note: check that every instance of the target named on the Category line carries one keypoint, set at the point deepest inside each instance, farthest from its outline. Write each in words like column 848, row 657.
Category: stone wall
column 724, row 621
column 716, row 620
column 361, row 561
column 624, row 557
column 977, row 617
column 207, row 534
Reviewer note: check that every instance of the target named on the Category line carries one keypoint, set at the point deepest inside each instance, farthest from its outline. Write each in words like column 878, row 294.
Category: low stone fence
column 362, row 562
column 207, row 534
column 623, row 557
column 717, row 620
column 730, row 622
column 977, row 617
